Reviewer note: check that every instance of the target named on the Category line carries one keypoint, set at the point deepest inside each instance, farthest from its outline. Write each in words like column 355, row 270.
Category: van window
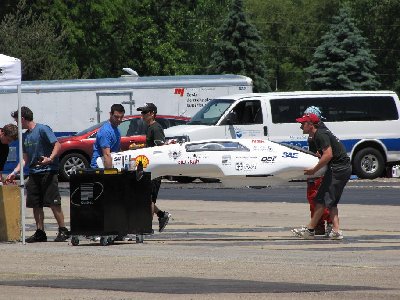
column 246, row 113
column 336, row 109
column 211, row 113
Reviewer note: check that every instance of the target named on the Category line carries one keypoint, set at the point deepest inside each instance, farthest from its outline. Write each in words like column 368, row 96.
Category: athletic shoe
column 328, row 229
column 163, row 221
column 333, row 235
column 304, row 233
column 38, row 236
column 319, row 230
column 63, row 235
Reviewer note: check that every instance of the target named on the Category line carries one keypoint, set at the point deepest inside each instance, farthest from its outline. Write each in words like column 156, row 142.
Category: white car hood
column 183, row 130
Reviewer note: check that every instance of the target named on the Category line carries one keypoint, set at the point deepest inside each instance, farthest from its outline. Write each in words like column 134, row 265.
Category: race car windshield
column 216, row 146
column 211, row 113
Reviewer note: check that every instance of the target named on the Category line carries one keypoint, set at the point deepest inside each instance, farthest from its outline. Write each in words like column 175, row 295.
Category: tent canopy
column 10, row 70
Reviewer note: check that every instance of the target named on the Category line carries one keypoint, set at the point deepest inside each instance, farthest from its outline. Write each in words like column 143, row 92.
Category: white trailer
column 68, row 106
column 73, row 105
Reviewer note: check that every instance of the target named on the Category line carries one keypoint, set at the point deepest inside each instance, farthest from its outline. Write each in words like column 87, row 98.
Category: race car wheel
column 368, row 163
column 184, row 179
column 70, row 162
column 209, row 180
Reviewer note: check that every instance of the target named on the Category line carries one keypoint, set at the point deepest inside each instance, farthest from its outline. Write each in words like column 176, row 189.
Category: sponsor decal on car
column 226, row 160
column 268, row 159
column 290, row 155
column 174, row 154
column 143, row 159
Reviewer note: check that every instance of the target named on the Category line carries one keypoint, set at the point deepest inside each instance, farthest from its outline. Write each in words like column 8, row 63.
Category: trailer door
column 106, row 100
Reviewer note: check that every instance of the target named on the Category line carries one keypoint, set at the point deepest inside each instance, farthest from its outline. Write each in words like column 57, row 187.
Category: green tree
column 32, row 39
column 343, row 60
column 380, row 23
column 289, row 30
column 238, row 50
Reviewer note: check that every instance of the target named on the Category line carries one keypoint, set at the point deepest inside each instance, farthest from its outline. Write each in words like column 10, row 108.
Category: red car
column 76, row 151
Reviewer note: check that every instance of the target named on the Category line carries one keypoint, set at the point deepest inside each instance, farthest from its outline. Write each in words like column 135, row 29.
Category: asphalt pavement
column 223, row 249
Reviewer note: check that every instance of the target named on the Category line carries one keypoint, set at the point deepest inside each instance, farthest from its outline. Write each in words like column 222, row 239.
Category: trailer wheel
column 70, row 162
column 368, row 163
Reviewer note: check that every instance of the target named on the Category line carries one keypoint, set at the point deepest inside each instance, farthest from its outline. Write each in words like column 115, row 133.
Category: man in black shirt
column 154, row 137
column 8, row 134
column 337, row 175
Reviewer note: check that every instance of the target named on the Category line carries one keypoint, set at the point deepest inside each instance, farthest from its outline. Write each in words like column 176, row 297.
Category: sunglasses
column 145, row 112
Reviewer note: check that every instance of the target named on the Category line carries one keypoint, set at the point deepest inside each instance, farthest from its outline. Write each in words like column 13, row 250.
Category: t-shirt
column 108, row 136
column 311, row 145
column 39, row 142
column 155, row 135
column 4, row 149
column 323, row 138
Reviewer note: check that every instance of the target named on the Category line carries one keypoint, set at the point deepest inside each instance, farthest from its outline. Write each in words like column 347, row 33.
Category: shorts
column 42, row 190
column 155, row 187
column 332, row 186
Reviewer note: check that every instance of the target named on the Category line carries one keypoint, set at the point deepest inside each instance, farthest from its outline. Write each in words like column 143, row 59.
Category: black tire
column 70, row 162
column 184, row 179
column 103, row 241
column 209, row 180
column 368, row 163
column 75, row 241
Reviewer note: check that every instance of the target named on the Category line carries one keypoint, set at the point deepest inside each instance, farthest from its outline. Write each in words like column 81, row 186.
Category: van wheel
column 368, row 163
column 70, row 162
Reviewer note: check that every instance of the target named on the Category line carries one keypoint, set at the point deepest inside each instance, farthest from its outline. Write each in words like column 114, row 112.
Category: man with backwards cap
column 314, row 183
column 337, row 175
column 154, row 137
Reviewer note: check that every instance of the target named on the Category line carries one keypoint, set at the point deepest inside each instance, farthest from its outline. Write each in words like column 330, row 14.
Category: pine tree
column 343, row 60
column 238, row 51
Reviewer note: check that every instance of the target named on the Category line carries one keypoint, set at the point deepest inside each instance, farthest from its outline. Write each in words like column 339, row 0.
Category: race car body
column 236, row 163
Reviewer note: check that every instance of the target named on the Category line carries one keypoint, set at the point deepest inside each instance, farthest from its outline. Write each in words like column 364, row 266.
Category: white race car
column 236, row 163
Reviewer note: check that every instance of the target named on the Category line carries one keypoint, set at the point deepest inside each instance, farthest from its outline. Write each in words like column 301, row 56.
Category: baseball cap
column 148, row 107
column 314, row 110
column 312, row 118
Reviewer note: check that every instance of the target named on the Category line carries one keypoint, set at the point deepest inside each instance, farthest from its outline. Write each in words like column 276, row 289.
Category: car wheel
column 368, row 163
column 70, row 162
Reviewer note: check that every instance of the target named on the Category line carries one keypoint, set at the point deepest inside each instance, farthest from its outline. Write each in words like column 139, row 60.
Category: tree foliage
column 92, row 39
column 32, row 39
column 343, row 60
column 238, row 50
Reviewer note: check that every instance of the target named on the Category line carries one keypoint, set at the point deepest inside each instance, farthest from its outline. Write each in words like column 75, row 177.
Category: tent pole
column 21, row 161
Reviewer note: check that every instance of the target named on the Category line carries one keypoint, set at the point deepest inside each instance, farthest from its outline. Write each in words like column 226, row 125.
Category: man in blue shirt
column 108, row 137
column 40, row 152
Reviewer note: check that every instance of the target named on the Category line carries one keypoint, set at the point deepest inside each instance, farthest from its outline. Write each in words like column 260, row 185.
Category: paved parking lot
column 215, row 250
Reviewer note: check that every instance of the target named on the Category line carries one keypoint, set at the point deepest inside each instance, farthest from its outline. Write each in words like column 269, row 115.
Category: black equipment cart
column 108, row 203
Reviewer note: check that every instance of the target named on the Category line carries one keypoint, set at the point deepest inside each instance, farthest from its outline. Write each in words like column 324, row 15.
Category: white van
column 366, row 122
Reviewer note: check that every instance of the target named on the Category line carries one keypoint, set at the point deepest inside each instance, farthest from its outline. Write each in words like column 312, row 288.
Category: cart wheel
column 139, row 238
column 110, row 240
column 103, row 241
column 75, row 241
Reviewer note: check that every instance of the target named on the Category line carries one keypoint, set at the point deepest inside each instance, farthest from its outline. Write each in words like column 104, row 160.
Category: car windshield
column 90, row 129
column 211, row 113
